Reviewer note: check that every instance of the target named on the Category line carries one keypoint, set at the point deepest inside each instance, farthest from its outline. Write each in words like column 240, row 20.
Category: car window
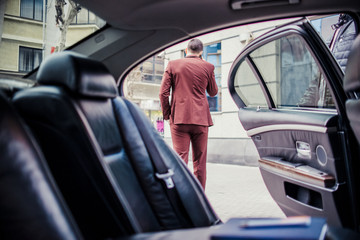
column 289, row 72
column 32, row 30
column 247, row 86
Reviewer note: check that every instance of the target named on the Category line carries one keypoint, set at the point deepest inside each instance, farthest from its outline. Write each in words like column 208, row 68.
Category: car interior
column 116, row 171
column 80, row 161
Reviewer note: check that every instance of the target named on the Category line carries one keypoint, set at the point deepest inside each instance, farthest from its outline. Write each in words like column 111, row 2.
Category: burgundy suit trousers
column 182, row 135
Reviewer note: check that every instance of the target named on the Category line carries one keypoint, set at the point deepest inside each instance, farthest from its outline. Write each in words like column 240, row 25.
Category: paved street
column 239, row 191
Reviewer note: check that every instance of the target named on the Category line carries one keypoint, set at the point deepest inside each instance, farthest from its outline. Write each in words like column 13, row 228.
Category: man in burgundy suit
column 189, row 78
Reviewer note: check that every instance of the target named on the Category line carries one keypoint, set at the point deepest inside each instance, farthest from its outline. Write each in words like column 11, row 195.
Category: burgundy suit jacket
column 188, row 78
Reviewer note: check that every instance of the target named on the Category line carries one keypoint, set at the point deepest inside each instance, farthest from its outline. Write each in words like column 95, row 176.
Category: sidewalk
column 238, row 191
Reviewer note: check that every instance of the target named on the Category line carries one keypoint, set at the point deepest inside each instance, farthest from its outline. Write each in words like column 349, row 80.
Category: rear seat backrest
column 30, row 204
column 352, row 86
column 90, row 131
column 70, row 147
column 197, row 210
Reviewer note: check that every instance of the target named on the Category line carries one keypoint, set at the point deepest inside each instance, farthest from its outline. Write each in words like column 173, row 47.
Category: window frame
column 33, row 57
column 33, row 10
column 155, row 77
column 75, row 21
column 218, row 107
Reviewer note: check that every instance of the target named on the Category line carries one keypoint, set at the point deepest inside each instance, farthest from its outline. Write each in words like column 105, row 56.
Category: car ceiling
column 139, row 28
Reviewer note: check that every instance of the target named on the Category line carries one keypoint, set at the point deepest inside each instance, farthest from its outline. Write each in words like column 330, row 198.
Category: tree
column 63, row 21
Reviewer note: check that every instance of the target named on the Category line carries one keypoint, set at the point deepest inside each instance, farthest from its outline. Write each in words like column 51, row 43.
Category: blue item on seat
column 292, row 228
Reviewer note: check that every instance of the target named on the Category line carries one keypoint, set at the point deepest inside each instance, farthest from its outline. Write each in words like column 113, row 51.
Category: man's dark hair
column 195, row 45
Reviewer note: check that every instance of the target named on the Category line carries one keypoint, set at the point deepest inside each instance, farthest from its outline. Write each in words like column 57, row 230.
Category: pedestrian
column 188, row 79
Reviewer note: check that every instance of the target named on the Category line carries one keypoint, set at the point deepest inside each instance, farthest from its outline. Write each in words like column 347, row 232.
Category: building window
column 32, row 9
column 152, row 69
column 29, row 58
column 212, row 54
column 84, row 16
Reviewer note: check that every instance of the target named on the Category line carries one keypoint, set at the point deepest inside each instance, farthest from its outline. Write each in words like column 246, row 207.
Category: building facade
column 29, row 33
column 142, row 86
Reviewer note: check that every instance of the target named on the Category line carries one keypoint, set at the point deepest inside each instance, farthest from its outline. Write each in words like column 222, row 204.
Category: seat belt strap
column 162, row 171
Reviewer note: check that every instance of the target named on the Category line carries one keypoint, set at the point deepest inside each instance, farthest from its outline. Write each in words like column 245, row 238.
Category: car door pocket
column 304, row 195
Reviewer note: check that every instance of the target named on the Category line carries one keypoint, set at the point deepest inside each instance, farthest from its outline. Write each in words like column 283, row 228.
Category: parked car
column 80, row 161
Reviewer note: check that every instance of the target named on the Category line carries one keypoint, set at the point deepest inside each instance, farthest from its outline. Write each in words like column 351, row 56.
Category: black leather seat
column 30, row 204
column 352, row 87
column 101, row 157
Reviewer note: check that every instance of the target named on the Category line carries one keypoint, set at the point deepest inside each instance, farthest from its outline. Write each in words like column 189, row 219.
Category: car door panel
column 296, row 197
column 255, row 118
column 301, row 182
column 282, row 144
column 297, row 126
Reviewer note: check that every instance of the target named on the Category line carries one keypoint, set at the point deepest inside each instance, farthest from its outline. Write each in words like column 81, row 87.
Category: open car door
column 288, row 87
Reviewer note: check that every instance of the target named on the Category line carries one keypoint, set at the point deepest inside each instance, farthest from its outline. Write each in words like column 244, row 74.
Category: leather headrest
column 81, row 75
column 352, row 72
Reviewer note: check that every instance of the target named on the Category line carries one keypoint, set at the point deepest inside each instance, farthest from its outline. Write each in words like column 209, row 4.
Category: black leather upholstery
column 73, row 156
column 30, row 204
column 81, row 75
column 352, row 72
column 98, row 156
column 197, row 208
column 352, row 86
